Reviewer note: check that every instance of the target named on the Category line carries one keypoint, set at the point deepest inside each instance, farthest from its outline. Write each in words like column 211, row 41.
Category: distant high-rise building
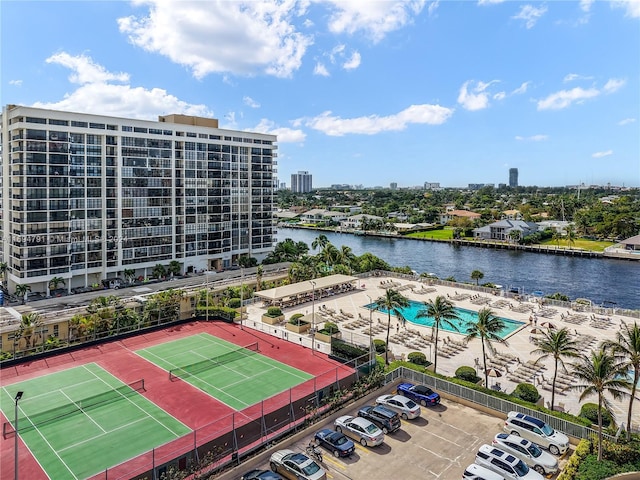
column 432, row 185
column 301, row 182
column 513, row 177
column 393, row 186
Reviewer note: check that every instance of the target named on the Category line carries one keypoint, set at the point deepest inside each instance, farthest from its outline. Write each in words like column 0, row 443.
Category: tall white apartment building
column 86, row 197
column 301, row 182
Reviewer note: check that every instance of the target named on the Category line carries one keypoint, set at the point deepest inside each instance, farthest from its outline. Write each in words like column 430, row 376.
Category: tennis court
column 81, row 421
column 236, row 376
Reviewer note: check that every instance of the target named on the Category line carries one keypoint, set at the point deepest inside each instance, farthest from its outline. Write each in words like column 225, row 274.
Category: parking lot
column 437, row 445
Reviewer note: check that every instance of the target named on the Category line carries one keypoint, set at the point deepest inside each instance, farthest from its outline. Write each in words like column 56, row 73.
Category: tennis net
column 77, row 406
column 209, row 363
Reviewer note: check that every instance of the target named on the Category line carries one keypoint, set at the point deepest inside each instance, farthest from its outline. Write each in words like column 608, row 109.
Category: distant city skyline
column 362, row 93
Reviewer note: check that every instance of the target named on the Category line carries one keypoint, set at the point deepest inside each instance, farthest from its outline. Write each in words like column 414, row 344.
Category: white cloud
column 374, row 19
column 521, row 89
column 533, row 138
column 626, row 121
column 320, row 69
column 353, row 62
column 285, row 135
column 500, row 96
column 84, row 70
column 17, row 83
column 574, row 76
column 433, row 6
column 530, row 14
column 250, row 102
column 97, row 95
column 373, row 124
column 613, row 85
column 585, row 5
column 477, row 98
column 489, row 2
column 565, row 98
column 258, row 36
column 632, row 7
column 602, row 154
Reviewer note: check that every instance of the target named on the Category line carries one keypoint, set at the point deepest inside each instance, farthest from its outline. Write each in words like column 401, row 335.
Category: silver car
column 537, row 431
column 360, row 429
column 406, row 407
column 296, row 466
column 527, row 451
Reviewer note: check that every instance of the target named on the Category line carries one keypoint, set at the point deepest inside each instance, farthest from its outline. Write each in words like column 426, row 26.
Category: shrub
column 296, row 319
column 590, row 411
column 274, row 312
column 468, row 374
column 526, row 392
column 330, row 328
column 345, row 350
column 380, row 346
column 234, row 303
column 418, row 358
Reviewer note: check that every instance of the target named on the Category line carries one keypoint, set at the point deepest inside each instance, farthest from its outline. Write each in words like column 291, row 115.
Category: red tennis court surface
column 199, row 411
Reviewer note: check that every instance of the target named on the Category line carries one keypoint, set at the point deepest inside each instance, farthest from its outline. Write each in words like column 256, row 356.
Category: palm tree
column 174, row 267
column 600, row 374
column 22, row 290
column 626, row 347
column 392, row 301
column 129, row 274
column 557, row 236
column 556, row 344
column 443, row 312
column 159, row 271
column 321, row 241
column 487, row 328
column 4, row 267
column 570, row 235
column 259, row 274
column 55, row 282
column 29, row 324
column 477, row 275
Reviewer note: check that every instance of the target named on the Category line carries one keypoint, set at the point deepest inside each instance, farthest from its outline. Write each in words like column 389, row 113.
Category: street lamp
column 370, row 332
column 241, row 296
column 15, row 427
column 313, row 315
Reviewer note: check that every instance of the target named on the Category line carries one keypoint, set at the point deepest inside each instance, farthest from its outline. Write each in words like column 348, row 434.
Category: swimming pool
column 466, row 316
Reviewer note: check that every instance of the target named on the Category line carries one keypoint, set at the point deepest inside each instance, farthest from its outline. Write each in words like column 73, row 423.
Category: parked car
column 259, row 474
column 419, row 393
column 505, row 464
column 360, row 429
column 406, row 407
column 336, row 442
column 537, row 431
column 478, row 472
column 387, row 420
column 296, row 466
column 527, row 451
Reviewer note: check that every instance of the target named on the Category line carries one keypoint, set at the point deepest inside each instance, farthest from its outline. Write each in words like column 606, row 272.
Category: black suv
column 387, row 420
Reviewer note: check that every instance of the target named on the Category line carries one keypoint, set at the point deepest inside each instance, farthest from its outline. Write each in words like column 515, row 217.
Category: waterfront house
column 502, row 230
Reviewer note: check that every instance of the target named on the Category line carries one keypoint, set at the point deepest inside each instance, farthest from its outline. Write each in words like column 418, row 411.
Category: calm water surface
column 601, row 280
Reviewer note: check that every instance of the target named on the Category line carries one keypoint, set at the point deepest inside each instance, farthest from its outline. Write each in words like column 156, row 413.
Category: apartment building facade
column 301, row 182
column 87, row 197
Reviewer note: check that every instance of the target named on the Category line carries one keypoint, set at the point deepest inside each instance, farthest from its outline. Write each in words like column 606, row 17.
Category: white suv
column 476, row 472
column 505, row 464
column 530, row 453
column 537, row 431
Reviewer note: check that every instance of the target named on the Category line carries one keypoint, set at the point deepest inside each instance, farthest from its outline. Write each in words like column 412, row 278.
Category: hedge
column 526, row 392
column 274, row 312
column 590, row 411
column 468, row 374
column 418, row 358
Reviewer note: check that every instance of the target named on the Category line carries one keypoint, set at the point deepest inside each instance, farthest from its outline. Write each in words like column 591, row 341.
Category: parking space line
column 333, row 461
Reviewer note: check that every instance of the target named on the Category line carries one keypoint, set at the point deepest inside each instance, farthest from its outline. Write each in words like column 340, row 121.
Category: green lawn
column 581, row 243
column 444, row 234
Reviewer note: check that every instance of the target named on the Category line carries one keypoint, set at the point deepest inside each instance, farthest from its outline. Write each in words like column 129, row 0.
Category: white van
column 478, row 472
column 505, row 464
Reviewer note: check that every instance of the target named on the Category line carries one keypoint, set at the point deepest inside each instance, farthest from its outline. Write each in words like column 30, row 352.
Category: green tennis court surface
column 237, row 377
column 80, row 421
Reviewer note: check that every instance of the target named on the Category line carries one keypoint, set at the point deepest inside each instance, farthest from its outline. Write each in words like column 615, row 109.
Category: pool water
column 466, row 316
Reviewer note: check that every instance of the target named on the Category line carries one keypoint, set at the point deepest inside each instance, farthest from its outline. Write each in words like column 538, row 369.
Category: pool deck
column 514, row 362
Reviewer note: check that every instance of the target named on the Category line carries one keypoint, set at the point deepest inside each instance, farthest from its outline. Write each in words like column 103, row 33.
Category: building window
column 99, row 126
column 78, row 124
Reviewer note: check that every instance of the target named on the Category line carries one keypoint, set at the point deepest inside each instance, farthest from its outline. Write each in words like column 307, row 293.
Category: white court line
column 143, row 410
column 79, row 407
column 91, row 439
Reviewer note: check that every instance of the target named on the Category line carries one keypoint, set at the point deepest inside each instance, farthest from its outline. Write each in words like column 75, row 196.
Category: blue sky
column 358, row 92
